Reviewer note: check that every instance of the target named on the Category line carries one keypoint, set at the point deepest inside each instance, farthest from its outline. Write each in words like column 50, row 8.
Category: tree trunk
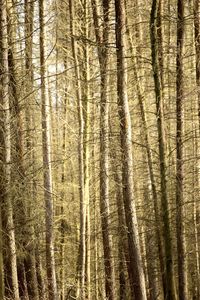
column 170, row 285
column 7, row 149
column 196, row 6
column 82, row 246
column 102, row 47
column 50, row 261
column 182, row 281
column 86, row 137
column 127, row 160
column 141, row 101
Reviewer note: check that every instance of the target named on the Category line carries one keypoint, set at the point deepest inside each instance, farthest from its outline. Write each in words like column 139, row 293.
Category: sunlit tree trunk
column 82, row 247
column 30, row 260
column 103, row 55
column 86, row 115
column 7, row 148
column 196, row 7
column 50, row 260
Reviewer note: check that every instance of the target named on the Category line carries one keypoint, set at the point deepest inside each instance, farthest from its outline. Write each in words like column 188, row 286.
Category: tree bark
column 103, row 55
column 50, row 260
column 7, row 148
column 141, row 101
column 127, row 160
column 82, row 247
column 196, row 7
column 170, row 285
column 182, row 280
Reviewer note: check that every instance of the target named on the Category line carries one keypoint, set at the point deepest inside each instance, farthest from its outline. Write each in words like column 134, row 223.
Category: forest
column 99, row 149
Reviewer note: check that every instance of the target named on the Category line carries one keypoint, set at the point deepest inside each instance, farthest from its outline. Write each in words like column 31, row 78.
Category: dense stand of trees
column 99, row 149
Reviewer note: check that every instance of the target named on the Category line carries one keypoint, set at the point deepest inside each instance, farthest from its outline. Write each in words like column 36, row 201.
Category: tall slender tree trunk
column 122, row 242
column 82, row 247
column 17, row 152
column 2, row 155
column 141, row 101
column 86, row 114
column 170, row 284
column 103, row 55
column 196, row 7
column 182, row 280
column 30, row 260
column 127, row 160
column 50, row 260
column 7, row 148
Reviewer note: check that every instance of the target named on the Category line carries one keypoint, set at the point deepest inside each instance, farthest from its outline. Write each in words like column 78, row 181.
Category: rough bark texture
column 127, row 161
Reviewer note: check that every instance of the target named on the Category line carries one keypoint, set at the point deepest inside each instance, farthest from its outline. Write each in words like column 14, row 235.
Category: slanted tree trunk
column 50, row 260
column 127, row 160
column 170, row 285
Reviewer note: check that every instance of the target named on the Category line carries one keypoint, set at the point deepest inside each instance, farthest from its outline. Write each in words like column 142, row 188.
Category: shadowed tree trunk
column 182, row 280
column 141, row 101
column 170, row 285
column 127, row 160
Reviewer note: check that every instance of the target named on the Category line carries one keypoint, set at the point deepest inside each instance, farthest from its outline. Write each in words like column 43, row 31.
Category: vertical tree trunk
column 7, row 148
column 170, row 285
column 196, row 6
column 127, row 161
column 86, row 76
column 182, row 283
column 95, row 214
column 103, row 55
column 82, row 247
column 30, row 260
column 50, row 261
column 2, row 158
column 122, row 241
column 141, row 101
column 17, row 151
